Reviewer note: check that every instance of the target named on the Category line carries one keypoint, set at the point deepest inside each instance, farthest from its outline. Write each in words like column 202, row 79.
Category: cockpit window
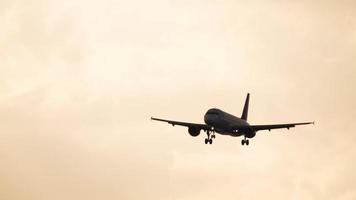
column 213, row 112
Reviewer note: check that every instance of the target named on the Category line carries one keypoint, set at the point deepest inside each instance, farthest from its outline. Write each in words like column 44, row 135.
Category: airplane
column 224, row 123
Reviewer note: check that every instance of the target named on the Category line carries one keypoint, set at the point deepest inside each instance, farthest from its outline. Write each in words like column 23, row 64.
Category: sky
column 79, row 81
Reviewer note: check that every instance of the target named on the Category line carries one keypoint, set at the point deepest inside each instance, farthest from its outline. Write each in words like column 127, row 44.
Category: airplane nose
column 207, row 119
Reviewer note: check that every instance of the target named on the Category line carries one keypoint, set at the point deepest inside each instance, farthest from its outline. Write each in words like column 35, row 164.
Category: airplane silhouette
column 224, row 123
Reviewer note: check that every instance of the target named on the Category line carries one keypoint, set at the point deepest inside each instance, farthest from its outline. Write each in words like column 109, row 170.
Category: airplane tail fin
column 245, row 110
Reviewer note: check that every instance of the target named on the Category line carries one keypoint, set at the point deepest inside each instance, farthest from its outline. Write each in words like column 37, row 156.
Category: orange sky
column 80, row 80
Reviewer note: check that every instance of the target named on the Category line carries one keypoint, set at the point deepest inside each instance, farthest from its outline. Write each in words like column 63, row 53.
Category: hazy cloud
column 79, row 81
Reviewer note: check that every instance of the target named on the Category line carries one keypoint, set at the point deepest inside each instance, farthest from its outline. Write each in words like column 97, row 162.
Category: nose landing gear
column 209, row 139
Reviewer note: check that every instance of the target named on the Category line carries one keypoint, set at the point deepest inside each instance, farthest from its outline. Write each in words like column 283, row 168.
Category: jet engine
column 193, row 131
column 251, row 134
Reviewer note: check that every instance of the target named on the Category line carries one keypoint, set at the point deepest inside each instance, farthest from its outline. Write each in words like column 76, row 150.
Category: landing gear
column 209, row 139
column 245, row 141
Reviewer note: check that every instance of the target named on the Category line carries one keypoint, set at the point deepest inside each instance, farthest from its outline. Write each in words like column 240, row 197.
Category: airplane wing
column 277, row 126
column 187, row 124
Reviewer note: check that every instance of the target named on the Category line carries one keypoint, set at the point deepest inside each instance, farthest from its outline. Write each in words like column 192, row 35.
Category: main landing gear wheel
column 243, row 142
column 206, row 140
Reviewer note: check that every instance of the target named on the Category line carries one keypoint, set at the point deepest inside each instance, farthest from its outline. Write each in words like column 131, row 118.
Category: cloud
column 79, row 81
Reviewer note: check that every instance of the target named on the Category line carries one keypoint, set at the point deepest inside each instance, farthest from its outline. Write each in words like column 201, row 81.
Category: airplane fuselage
column 225, row 123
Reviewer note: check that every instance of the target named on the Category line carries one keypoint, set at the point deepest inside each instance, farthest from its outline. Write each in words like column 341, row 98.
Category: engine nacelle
column 194, row 131
column 251, row 134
